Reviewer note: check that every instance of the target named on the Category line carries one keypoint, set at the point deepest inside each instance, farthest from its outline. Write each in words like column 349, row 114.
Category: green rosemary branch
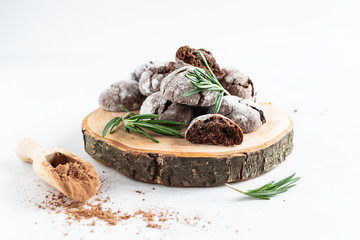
column 138, row 123
column 271, row 189
column 205, row 80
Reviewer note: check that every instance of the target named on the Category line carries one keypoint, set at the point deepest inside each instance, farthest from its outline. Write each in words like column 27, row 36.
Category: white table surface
column 57, row 56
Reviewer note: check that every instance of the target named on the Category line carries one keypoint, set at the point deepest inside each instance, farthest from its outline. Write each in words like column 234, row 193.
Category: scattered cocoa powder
column 83, row 211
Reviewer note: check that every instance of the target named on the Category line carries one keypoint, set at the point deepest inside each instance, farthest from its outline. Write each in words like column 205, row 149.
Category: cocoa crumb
column 154, row 225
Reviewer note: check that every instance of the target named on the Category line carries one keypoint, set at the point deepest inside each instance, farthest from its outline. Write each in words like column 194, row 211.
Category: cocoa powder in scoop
column 76, row 177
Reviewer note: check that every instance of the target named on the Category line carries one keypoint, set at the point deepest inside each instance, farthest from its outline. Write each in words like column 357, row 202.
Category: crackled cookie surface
column 174, row 85
column 152, row 76
column 167, row 110
column 124, row 93
column 245, row 113
column 238, row 84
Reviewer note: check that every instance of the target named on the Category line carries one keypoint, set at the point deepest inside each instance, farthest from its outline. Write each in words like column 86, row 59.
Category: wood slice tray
column 177, row 162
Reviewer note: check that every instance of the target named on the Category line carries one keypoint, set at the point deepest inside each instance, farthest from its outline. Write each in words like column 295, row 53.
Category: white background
column 57, row 56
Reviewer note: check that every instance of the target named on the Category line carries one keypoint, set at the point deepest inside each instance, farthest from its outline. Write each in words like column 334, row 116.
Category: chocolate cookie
column 214, row 129
column 124, row 93
column 151, row 78
column 245, row 113
column 174, row 85
column 167, row 110
column 238, row 84
column 136, row 74
column 187, row 55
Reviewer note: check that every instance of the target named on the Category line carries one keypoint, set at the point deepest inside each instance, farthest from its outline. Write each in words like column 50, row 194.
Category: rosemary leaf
column 158, row 128
column 141, row 131
column 108, row 125
column 218, row 102
column 191, row 92
column 143, row 116
column 136, row 123
column 165, row 122
column 117, row 122
column 205, row 80
column 270, row 189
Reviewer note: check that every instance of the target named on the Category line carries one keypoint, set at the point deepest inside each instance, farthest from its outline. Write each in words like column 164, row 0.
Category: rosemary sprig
column 138, row 123
column 205, row 80
column 271, row 189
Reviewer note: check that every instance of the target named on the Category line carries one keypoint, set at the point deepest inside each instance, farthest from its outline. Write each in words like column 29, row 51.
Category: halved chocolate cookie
column 186, row 55
column 214, row 129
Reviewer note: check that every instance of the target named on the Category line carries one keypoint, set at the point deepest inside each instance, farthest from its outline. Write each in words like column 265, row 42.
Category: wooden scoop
column 69, row 174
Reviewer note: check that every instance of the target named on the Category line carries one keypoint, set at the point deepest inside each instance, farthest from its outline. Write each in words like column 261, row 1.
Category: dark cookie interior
column 214, row 129
column 191, row 56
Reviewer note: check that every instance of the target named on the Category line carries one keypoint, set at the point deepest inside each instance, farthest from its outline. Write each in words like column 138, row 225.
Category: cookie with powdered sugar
column 136, row 74
column 152, row 76
column 174, row 85
column 124, row 93
column 167, row 110
column 245, row 113
column 238, row 84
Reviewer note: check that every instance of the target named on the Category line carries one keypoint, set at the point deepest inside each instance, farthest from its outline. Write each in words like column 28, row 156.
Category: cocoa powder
column 74, row 176
column 81, row 212
column 72, row 170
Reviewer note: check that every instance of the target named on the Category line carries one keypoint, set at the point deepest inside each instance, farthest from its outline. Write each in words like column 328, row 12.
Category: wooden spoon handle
column 27, row 148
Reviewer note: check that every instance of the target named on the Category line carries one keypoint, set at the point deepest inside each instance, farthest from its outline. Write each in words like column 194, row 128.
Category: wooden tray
column 177, row 162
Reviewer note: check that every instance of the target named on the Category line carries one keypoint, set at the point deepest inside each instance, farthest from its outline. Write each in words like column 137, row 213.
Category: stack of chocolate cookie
column 157, row 88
